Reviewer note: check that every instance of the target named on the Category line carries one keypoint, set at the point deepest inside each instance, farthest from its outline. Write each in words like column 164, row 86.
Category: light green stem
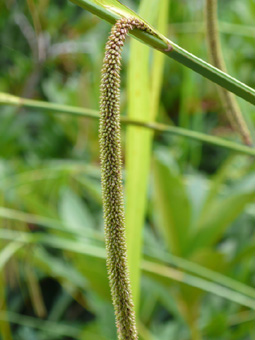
column 8, row 99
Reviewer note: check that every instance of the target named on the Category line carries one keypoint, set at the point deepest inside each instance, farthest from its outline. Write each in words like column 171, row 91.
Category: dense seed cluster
column 110, row 152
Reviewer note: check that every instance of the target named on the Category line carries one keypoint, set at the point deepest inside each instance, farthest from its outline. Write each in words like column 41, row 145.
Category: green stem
column 7, row 99
column 195, row 331
column 230, row 104
column 111, row 13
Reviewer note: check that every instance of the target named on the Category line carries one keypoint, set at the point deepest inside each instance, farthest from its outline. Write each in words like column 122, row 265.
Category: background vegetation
column 197, row 216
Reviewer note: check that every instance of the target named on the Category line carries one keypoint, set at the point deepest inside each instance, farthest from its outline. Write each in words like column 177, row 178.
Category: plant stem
column 8, row 99
column 160, row 42
column 229, row 102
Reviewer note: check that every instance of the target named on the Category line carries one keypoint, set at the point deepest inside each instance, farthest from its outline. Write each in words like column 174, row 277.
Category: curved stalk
column 110, row 154
column 228, row 100
column 8, row 99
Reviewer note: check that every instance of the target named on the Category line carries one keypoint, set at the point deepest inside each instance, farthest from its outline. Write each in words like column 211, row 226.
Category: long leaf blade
column 114, row 10
column 8, row 99
column 138, row 148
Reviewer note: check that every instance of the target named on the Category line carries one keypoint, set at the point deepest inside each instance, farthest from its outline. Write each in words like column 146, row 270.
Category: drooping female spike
column 112, row 190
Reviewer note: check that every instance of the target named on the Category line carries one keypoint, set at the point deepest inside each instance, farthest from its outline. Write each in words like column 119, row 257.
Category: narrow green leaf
column 138, row 141
column 162, row 273
column 7, row 252
column 158, row 60
column 201, row 271
column 142, row 106
column 59, row 269
column 74, row 213
column 217, row 218
column 8, row 99
column 5, row 329
column 173, row 207
column 113, row 10
column 35, row 292
column 49, row 223
column 61, row 329
column 166, row 274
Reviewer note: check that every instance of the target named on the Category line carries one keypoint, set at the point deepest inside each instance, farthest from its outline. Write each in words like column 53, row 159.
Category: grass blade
column 111, row 10
column 143, row 105
column 201, row 271
column 8, row 252
column 138, row 148
column 43, row 325
column 8, row 99
column 160, row 272
column 173, row 207
column 164, row 274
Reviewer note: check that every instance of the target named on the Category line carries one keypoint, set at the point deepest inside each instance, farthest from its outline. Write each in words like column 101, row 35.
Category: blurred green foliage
column 198, row 271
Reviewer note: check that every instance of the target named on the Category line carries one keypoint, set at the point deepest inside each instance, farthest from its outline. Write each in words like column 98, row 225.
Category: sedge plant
column 110, row 153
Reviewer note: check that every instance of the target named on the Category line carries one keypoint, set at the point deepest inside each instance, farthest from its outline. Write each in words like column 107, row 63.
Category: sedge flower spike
column 111, row 179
